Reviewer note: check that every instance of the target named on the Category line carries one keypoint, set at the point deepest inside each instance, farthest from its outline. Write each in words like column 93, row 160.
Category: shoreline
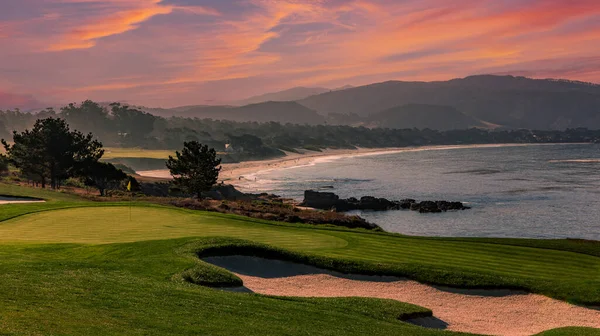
column 239, row 174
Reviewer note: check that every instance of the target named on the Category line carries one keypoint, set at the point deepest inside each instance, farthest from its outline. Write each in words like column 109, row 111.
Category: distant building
column 229, row 148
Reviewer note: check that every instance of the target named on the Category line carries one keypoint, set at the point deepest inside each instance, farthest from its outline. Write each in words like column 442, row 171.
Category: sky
column 181, row 52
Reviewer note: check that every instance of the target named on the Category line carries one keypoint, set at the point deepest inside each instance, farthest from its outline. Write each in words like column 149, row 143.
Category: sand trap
column 11, row 200
column 493, row 312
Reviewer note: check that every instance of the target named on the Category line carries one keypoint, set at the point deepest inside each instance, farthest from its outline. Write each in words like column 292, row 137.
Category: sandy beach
column 239, row 174
column 233, row 172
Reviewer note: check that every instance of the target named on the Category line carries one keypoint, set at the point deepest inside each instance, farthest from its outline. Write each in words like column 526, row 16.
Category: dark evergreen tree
column 103, row 176
column 87, row 117
column 132, row 125
column 51, row 152
column 196, row 168
column 3, row 164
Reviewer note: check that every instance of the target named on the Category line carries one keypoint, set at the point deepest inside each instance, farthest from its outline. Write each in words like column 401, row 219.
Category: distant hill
column 423, row 116
column 283, row 112
column 514, row 102
column 292, row 94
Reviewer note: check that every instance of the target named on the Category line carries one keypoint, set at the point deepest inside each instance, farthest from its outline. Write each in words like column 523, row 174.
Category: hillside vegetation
column 423, row 116
column 513, row 102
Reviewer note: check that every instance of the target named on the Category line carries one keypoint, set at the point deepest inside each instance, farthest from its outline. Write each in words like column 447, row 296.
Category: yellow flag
column 129, row 186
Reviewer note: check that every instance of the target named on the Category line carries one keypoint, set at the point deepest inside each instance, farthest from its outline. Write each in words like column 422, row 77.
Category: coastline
column 238, row 174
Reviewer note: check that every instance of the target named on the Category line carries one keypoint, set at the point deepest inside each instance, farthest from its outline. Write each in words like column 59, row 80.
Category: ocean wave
column 482, row 171
column 576, row 161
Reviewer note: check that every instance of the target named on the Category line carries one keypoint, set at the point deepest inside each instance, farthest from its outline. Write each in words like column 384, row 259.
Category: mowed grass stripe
column 485, row 250
column 475, row 267
column 553, row 263
column 431, row 246
column 583, row 268
column 516, row 267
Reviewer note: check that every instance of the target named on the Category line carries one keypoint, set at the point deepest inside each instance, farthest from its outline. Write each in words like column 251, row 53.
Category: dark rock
column 331, row 201
column 373, row 203
column 320, row 200
column 429, row 207
column 447, row 206
column 405, row 204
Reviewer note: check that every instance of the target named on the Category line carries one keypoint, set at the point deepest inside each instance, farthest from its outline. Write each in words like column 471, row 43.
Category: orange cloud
column 116, row 23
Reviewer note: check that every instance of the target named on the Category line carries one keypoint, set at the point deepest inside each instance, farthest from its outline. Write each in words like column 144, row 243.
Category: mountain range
column 485, row 101
column 507, row 101
column 282, row 112
column 292, row 94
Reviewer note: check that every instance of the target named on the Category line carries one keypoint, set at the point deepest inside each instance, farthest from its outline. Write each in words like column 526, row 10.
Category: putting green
column 118, row 224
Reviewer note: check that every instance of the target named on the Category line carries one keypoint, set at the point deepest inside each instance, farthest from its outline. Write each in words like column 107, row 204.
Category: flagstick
column 130, row 198
column 130, row 201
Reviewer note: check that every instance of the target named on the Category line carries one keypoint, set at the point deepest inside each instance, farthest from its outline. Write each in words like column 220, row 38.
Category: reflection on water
column 533, row 191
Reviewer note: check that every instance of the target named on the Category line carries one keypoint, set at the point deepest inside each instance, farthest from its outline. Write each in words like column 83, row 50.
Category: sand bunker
column 492, row 312
column 11, row 200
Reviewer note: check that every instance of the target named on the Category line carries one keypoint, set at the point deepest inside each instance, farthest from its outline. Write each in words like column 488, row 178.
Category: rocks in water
column 331, row 201
column 320, row 200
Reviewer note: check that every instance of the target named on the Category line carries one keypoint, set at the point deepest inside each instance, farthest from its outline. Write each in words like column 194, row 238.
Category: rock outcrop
column 331, row 201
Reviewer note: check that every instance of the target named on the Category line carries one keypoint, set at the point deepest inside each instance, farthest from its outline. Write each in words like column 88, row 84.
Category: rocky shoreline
column 331, row 201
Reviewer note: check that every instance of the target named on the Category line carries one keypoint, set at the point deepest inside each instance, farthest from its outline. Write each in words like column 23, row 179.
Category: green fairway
column 96, row 268
column 116, row 152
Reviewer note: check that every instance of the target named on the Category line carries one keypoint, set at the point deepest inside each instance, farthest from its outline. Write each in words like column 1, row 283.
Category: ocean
column 534, row 191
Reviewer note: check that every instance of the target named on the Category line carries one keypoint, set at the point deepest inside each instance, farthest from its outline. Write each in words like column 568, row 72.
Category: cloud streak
column 118, row 21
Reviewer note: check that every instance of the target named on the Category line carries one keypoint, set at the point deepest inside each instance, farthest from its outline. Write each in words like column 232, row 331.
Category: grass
column 116, row 152
column 89, row 269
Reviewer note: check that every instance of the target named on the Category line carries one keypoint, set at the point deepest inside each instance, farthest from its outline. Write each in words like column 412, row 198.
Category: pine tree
column 196, row 169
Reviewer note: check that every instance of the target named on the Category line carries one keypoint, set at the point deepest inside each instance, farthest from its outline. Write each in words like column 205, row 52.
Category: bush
column 73, row 182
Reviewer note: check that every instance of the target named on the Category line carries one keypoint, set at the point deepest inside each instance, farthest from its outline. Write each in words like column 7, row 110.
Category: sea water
column 537, row 191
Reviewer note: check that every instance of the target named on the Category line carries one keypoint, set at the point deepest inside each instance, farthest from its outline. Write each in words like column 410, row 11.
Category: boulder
column 331, row 201
column 429, row 207
column 374, row 203
column 320, row 200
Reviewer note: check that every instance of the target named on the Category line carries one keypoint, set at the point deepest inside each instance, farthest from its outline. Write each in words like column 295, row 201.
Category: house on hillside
column 229, row 148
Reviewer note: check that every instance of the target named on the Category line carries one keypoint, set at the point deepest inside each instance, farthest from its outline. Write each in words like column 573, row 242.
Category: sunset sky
column 181, row 52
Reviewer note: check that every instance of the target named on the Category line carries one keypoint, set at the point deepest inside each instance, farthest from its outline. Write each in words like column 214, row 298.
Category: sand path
column 490, row 312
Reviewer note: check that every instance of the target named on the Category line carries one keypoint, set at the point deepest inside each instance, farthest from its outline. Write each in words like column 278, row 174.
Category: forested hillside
column 511, row 102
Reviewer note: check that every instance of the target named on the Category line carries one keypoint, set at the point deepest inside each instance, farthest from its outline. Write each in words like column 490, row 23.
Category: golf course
column 72, row 266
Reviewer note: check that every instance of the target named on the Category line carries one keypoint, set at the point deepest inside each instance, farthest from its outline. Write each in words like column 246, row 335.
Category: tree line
column 51, row 153
column 118, row 125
